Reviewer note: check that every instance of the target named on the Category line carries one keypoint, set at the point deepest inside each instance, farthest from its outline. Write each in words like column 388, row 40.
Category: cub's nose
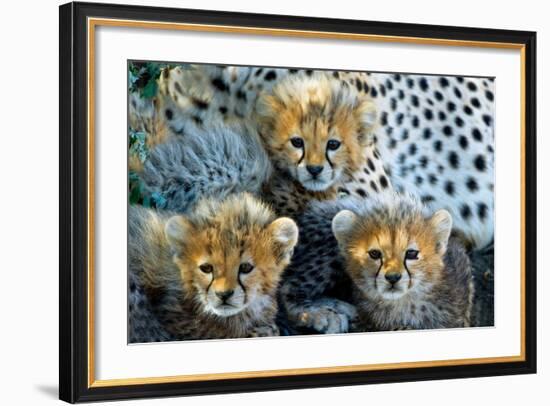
column 314, row 169
column 393, row 277
column 226, row 294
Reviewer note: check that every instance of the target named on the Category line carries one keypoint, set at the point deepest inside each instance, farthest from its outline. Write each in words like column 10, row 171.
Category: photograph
column 281, row 201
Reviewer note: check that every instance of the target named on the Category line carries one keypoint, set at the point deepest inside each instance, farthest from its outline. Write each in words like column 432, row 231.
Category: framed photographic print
column 256, row 202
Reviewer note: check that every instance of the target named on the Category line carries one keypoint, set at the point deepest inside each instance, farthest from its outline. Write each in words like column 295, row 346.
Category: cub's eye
column 411, row 254
column 375, row 254
column 297, row 142
column 245, row 267
column 333, row 144
column 206, row 268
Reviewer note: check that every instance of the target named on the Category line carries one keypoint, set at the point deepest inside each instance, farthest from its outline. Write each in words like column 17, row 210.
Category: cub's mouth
column 316, row 185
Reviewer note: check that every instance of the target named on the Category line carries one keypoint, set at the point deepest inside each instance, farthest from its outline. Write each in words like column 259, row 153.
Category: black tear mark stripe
column 242, row 287
column 303, row 155
column 408, row 272
column 378, row 272
column 328, row 159
column 210, row 284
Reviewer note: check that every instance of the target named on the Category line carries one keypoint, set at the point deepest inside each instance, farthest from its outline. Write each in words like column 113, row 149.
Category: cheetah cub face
column 315, row 128
column 394, row 250
column 231, row 254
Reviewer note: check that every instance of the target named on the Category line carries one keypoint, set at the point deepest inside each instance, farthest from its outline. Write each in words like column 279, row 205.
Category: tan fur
column 433, row 290
column 316, row 109
column 171, row 250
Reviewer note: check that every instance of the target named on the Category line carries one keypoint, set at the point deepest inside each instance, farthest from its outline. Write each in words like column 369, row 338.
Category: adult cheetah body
column 434, row 136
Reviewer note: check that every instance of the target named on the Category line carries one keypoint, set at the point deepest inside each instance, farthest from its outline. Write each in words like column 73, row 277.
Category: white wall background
column 29, row 203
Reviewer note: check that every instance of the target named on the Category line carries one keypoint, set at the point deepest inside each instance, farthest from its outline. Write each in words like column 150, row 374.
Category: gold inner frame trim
column 94, row 22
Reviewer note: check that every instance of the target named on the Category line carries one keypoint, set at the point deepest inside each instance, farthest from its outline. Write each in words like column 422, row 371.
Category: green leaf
column 150, row 89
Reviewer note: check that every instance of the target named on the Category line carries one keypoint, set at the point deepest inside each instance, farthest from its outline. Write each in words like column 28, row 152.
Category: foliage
column 142, row 77
column 137, row 192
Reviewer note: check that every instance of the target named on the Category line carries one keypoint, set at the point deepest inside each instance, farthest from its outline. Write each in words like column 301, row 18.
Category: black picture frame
column 74, row 200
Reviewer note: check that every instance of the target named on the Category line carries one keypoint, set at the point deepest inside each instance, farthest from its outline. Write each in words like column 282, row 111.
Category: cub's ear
column 442, row 222
column 177, row 231
column 285, row 231
column 342, row 224
column 367, row 114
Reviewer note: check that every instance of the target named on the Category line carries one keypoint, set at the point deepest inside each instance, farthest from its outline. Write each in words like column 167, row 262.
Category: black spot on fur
column 450, row 188
column 271, row 75
column 399, row 118
column 457, row 93
column 361, row 192
column 373, row 186
column 479, row 163
column 451, row 107
column 370, row 164
column 438, row 145
column 444, row 82
column 489, row 95
column 384, row 118
column 382, row 90
column 418, row 180
column 336, row 75
column 414, row 100
column 458, row 121
column 471, row 184
column 448, row 130
column 423, row 84
column 400, row 94
column 201, row 105
column 472, row 86
column 475, row 102
column 410, row 83
column 487, row 119
column 309, row 72
column 383, row 182
column 442, row 116
column 482, row 211
column 373, row 92
column 423, row 161
column 415, row 122
column 219, row 84
column 428, row 114
column 463, row 141
column 438, row 96
column 476, row 134
column 169, row 114
column 432, row 179
column 223, row 110
column 412, row 149
column 427, row 134
column 453, row 159
column 427, row 199
column 465, row 212
column 468, row 110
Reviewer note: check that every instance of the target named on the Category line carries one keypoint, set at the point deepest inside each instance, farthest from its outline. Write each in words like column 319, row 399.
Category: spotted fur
column 433, row 136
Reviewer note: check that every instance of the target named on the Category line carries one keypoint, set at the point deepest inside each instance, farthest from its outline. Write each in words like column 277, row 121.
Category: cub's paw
column 264, row 331
column 328, row 316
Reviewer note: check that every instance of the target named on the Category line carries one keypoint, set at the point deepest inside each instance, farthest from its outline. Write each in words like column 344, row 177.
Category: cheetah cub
column 405, row 271
column 377, row 264
column 212, row 273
